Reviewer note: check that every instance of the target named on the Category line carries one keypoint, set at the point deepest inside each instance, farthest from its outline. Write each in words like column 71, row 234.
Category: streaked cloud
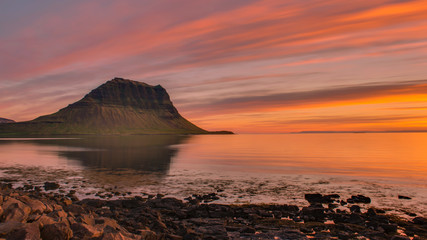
column 229, row 57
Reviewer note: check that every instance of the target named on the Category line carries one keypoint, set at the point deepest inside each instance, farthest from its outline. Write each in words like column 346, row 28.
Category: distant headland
column 117, row 107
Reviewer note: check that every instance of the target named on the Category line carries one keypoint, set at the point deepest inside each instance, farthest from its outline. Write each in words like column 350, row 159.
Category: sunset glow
column 249, row 66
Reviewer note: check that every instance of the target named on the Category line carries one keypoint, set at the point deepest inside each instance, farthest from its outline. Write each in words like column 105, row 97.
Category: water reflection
column 151, row 153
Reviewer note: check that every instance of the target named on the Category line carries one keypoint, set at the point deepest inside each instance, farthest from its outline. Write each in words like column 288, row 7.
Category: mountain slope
column 5, row 120
column 119, row 106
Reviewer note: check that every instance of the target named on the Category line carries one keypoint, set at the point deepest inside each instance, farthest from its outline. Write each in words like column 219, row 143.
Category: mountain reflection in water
column 146, row 153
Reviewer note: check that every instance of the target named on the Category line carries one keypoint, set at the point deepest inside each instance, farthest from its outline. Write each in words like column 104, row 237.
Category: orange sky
column 243, row 65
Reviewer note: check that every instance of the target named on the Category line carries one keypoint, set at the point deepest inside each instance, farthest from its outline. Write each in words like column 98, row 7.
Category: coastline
column 30, row 213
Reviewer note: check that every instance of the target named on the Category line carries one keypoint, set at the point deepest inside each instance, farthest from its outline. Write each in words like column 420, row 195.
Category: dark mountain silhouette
column 119, row 106
column 5, row 120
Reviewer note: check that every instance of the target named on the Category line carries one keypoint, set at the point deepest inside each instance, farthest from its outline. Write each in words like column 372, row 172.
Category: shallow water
column 242, row 168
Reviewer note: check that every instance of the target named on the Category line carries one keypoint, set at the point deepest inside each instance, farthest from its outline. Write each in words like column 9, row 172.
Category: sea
column 239, row 168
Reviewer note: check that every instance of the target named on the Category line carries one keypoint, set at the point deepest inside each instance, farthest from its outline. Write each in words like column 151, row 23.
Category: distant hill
column 5, row 120
column 119, row 106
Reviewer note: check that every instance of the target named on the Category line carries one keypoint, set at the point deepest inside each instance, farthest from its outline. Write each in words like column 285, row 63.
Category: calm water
column 245, row 168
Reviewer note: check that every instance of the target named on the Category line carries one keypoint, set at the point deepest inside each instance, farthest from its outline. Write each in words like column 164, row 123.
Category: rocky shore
column 32, row 213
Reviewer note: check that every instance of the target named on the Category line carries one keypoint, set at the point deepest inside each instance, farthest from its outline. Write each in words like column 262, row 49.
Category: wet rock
column 148, row 235
column 332, row 205
column 116, row 236
column 355, row 209
column 404, row 197
column 371, row 212
column 420, row 221
column 396, row 237
column 380, row 211
column 130, row 203
column 314, row 198
column 332, row 196
column 77, row 210
column 51, row 186
column 313, row 213
column 389, row 228
column 56, row 231
column 359, row 199
column 283, row 234
column 96, row 203
column 247, row 229
column 319, row 198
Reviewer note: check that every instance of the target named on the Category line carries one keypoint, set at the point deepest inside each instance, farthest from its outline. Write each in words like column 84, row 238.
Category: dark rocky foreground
column 32, row 214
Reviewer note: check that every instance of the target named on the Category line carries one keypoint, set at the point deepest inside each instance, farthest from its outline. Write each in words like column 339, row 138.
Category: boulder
column 35, row 205
column 50, row 186
column 29, row 231
column 45, row 220
column 313, row 213
column 404, row 197
column 56, row 231
column 7, row 227
column 359, row 199
column 82, row 230
column 355, row 209
column 15, row 211
column 420, row 221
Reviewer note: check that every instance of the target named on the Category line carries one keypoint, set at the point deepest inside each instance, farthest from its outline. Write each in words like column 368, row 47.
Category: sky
column 250, row 66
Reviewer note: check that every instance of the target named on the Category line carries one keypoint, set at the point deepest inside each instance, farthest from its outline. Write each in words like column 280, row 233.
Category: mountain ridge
column 5, row 120
column 118, row 107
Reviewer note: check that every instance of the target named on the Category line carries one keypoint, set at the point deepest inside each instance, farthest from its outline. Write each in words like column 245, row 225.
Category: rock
column 247, row 229
column 56, row 231
column 355, row 219
column 58, row 214
column 333, row 196
column 313, row 213
column 50, row 186
column 283, row 234
column 81, row 230
column 66, row 201
column 315, row 198
column 371, row 212
column 403, row 197
column 96, row 203
column 332, row 206
column 359, row 199
column 355, row 209
column 35, row 205
column 29, row 231
column 114, row 236
column 379, row 211
column 45, row 220
column 9, row 226
column 75, row 209
column 396, row 237
column 318, row 198
column 389, row 228
column 420, row 221
column 16, row 211
column 148, row 235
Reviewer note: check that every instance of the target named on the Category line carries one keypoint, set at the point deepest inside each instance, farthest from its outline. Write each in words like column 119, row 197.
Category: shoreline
column 30, row 212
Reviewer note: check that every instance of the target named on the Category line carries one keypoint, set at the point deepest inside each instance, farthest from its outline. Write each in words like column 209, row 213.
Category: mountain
column 5, row 120
column 119, row 106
